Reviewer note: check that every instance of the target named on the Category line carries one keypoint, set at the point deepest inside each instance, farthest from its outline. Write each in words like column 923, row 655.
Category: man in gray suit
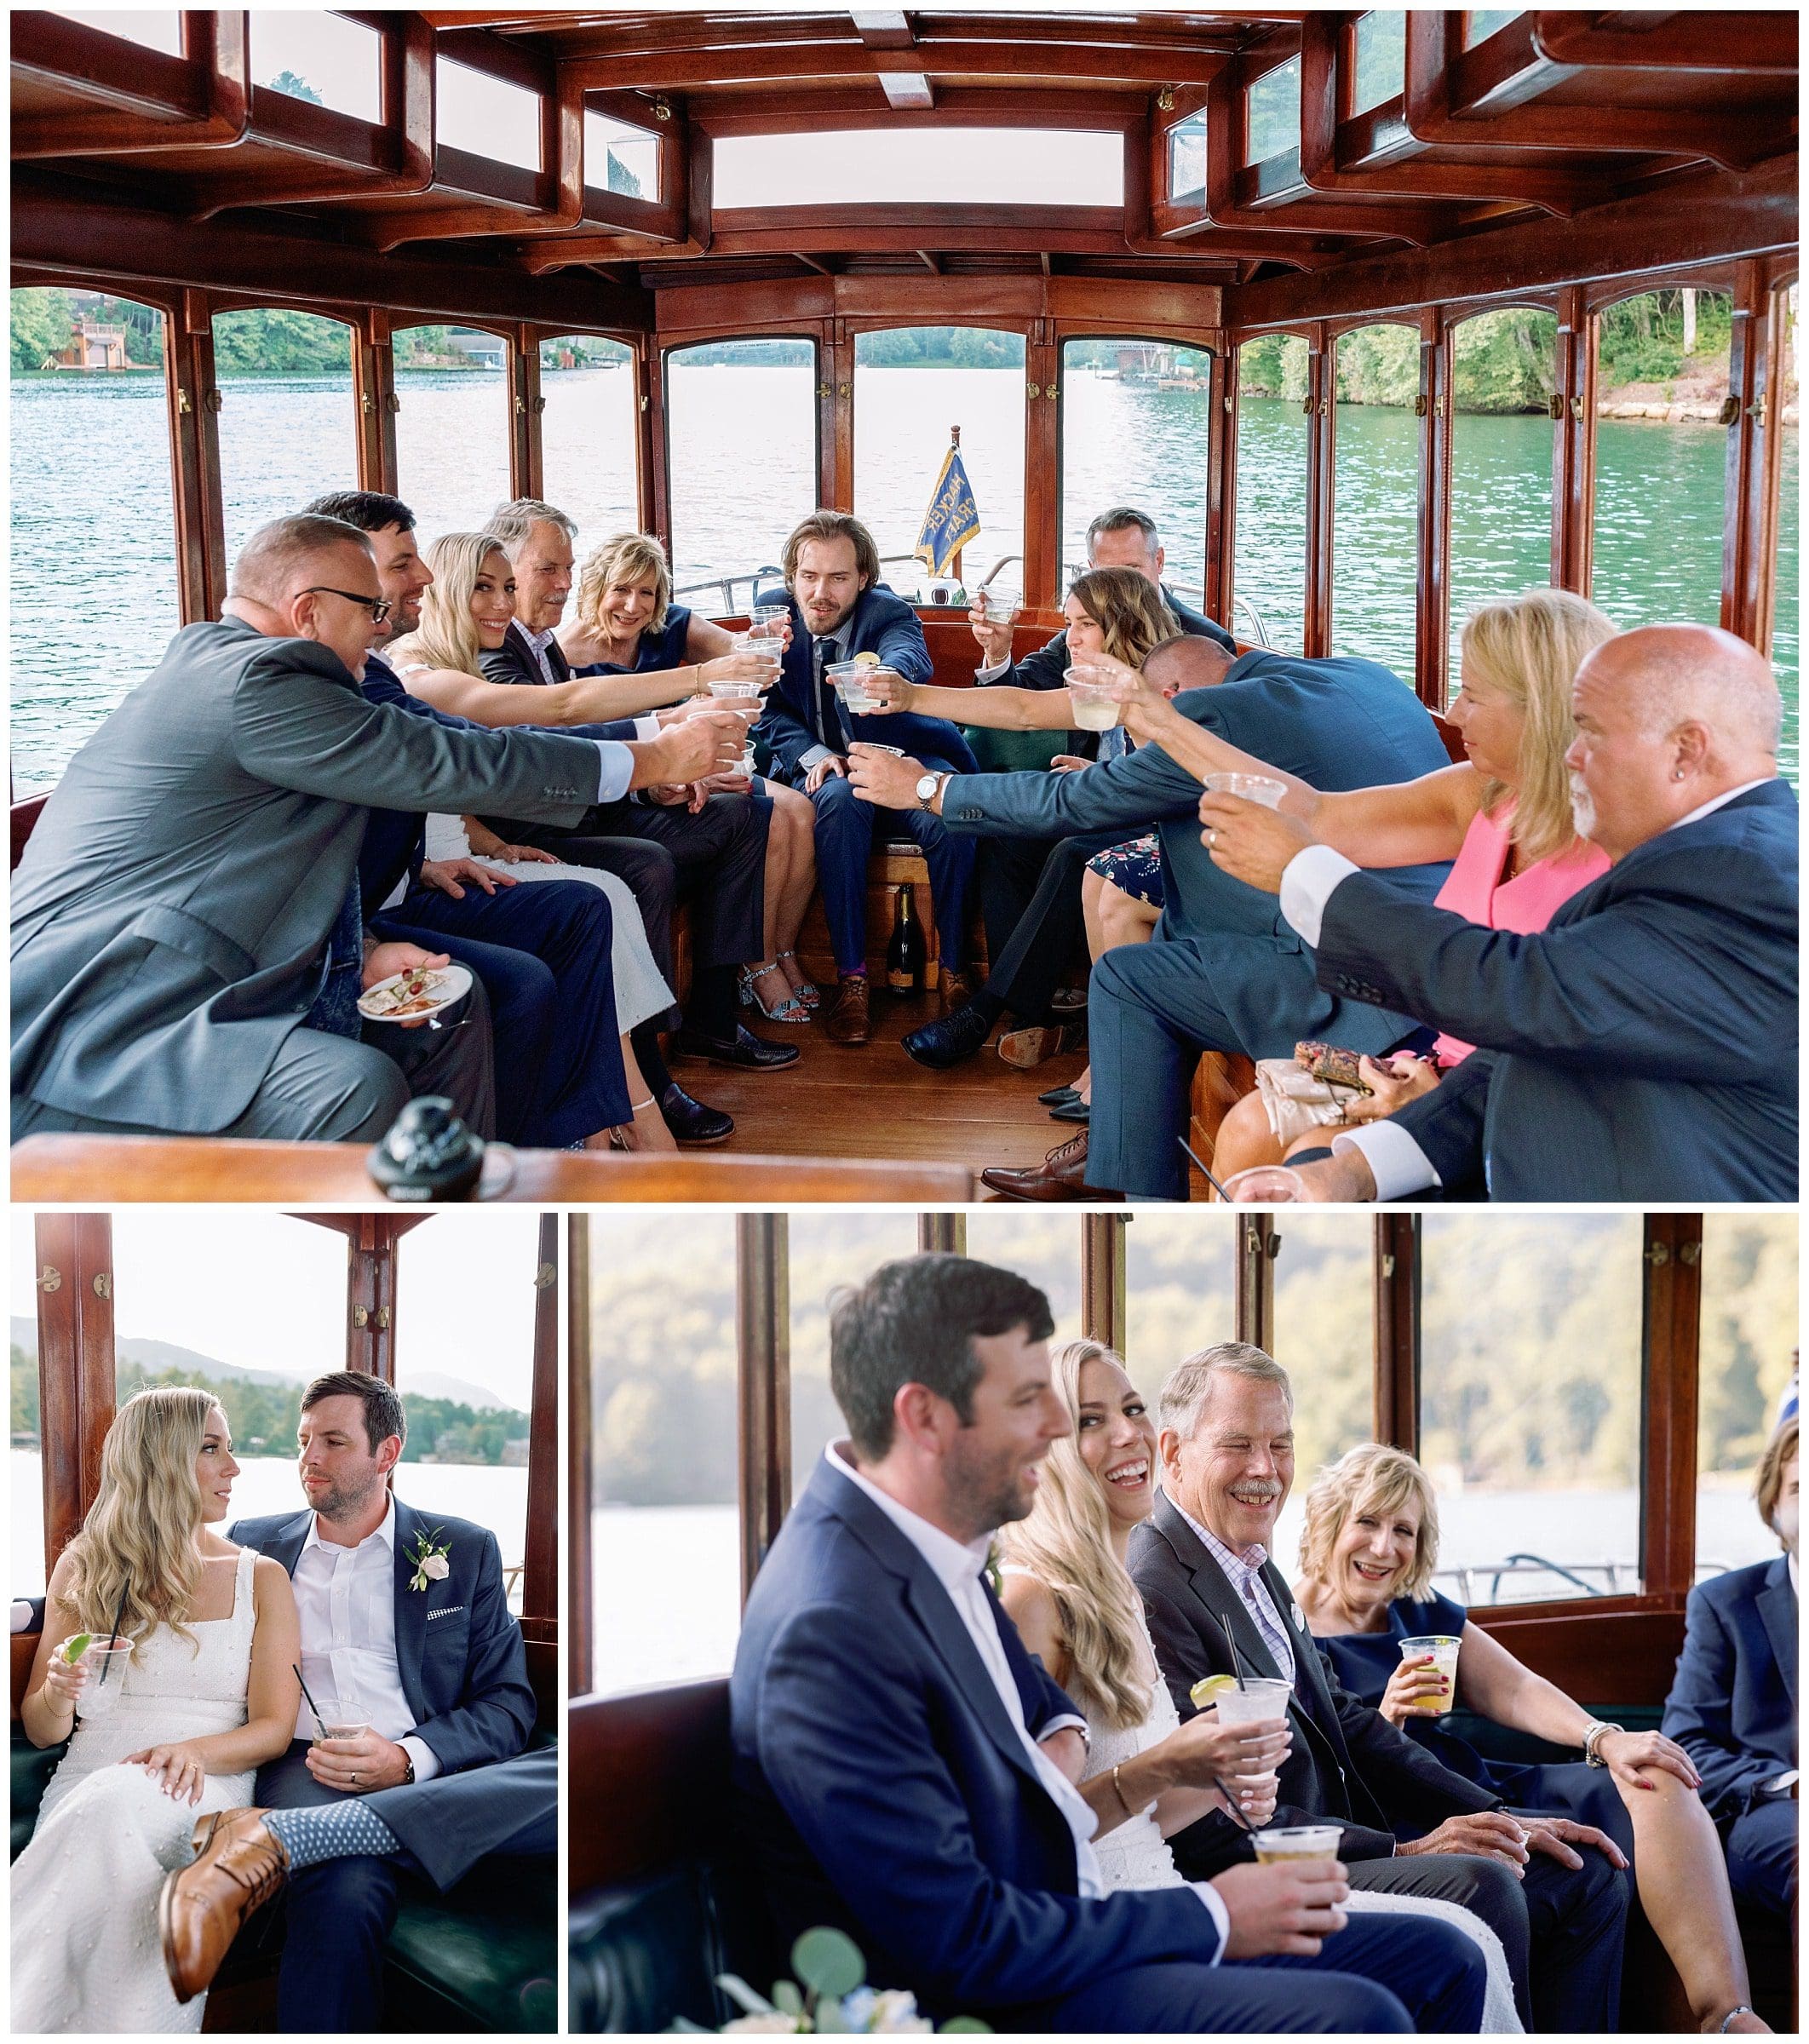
column 190, row 888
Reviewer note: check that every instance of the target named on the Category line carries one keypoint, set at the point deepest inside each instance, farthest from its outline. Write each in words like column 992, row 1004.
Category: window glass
column 90, row 490
column 587, row 433
column 1747, row 1354
column 287, row 430
column 1180, row 1290
column 1273, row 120
column 665, row 1538
column 619, row 158
column 1529, row 1386
column 1480, row 23
column 26, row 1472
column 153, row 27
column 1661, row 459
column 1381, row 58
column 452, row 428
column 466, row 1293
column 1187, row 156
column 828, row 1250
column 320, row 57
column 1376, row 496
column 741, row 443
column 488, row 115
column 1135, row 415
column 1045, row 1247
column 1502, row 369
column 910, row 384
column 922, row 166
column 1270, row 550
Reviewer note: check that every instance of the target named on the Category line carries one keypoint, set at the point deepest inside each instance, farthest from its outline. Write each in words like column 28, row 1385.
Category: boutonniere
column 1300, row 1619
column 993, row 1574
column 429, row 1559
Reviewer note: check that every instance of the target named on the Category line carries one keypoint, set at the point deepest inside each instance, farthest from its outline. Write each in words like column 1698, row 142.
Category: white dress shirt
column 1397, row 1162
column 824, row 653
column 960, row 1571
column 1243, row 1570
column 619, row 763
column 346, row 1600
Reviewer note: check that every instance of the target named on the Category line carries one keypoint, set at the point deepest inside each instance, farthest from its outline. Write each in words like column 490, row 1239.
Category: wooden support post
column 580, row 1484
column 1102, row 1277
column 763, row 1383
column 836, row 450
column 1754, row 446
column 374, row 403
column 1042, row 371
column 1397, row 1356
column 1321, row 493
column 540, row 1552
column 76, row 1382
column 1671, row 1341
column 1257, row 1243
column 370, row 1297
column 652, row 482
column 527, row 468
column 1432, row 596
column 1221, row 490
column 944, row 1232
column 1573, row 446
column 194, row 449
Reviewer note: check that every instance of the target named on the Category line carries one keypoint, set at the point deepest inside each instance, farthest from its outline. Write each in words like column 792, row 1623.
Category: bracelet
column 1592, row 1741
column 1118, row 1789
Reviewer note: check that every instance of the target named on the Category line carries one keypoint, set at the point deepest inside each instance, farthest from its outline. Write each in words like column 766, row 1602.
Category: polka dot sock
column 330, row 1831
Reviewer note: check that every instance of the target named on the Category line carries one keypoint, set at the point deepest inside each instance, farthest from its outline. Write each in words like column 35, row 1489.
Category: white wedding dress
column 1136, row 1855
column 86, row 1953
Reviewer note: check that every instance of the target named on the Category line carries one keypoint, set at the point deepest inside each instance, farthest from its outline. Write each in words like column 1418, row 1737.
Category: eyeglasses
column 379, row 606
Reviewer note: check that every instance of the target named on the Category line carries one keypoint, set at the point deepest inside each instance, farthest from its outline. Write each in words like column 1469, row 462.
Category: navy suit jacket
column 1732, row 1706
column 886, row 1792
column 882, row 623
column 458, row 1651
column 1045, row 667
column 1643, row 1047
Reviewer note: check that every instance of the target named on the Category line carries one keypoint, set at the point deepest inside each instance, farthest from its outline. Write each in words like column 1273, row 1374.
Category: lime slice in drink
column 1206, row 1690
column 73, row 1649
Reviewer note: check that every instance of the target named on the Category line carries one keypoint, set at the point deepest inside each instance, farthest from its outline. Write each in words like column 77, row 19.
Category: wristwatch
column 928, row 787
column 408, row 1761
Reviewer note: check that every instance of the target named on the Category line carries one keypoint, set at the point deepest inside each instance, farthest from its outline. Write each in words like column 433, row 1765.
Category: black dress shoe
column 1058, row 1096
column 746, row 1051
column 691, row 1122
column 957, row 1036
column 1072, row 1111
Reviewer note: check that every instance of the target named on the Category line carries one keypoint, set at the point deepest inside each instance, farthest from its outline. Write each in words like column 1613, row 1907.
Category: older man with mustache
column 1642, row 1047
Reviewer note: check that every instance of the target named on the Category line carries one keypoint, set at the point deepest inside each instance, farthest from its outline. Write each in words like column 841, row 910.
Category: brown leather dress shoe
column 1061, row 1175
column 954, row 988
column 238, row 1866
column 849, row 1017
column 1026, row 1048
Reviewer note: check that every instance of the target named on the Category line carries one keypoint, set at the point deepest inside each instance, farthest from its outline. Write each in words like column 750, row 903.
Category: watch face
column 926, row 787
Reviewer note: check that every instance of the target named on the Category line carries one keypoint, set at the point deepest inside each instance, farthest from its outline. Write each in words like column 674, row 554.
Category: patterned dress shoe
column 1061, row 1175
column 743, row 1050
column 941, row 1045
column 238, row 1866
column 850, row 1015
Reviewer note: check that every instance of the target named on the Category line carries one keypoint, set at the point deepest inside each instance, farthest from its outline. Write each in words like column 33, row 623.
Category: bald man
column 1644, row 1047
column 187, row 954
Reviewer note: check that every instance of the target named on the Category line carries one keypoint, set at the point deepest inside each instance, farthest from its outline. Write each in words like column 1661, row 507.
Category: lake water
column 93, row 598
column 668, row 1596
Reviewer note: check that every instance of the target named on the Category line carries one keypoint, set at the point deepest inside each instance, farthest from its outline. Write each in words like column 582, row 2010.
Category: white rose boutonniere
column 429, row 1558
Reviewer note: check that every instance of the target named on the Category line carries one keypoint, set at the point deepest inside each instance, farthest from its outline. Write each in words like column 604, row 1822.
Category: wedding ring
column 1212, row 838
column 354, row 1774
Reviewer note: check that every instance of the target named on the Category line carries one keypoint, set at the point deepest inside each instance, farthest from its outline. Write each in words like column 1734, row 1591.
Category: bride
column 1068, row 1589
column 207, row 1695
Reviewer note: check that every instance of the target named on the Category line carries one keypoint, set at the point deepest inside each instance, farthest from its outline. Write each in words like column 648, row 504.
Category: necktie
column 830, row 727
column 335, row 1006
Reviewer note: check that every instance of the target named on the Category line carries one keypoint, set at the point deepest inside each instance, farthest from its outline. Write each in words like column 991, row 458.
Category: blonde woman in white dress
column 1068, row 1588
column 207, row 1696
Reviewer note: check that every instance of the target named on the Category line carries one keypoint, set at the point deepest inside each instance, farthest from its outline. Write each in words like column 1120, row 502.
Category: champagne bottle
column 905, row 955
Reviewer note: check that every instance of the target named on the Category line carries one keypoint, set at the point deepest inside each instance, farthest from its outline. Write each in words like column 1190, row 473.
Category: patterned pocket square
column 446, row 1613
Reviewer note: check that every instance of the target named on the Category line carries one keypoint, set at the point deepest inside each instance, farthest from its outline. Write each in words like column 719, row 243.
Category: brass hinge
column 544, row 1275
column 364, row 1317
column 103, row 1284
column 214, row 400
column 1035, row 389
column 1421, row 406
column 1387, row 1265
column 52, row 1279
column 1554, row 406
column 1658, row 1255
column 1756, row 410
column 824, row 390
column 1730, row 411
column 182, row 403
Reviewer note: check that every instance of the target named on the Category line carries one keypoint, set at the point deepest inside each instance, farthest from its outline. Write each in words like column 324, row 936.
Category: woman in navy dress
column 624, row 621
column 1368, row 1552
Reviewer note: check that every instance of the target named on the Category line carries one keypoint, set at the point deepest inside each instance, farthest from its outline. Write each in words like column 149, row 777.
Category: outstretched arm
column 596, row 700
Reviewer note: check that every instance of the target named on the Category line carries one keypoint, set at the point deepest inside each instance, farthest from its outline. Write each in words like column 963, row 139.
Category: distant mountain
column 456, row 1391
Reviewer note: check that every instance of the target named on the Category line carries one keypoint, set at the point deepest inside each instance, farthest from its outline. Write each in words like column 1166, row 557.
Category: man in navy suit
column 1644, row 1047
column 406, row 1623
column 837, row 610
column 906, row 1770
column 1732, row 1707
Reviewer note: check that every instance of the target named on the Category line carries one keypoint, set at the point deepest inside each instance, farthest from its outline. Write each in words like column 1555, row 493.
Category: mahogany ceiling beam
column 1748, row 43
column 937, row 57
column 143, row 99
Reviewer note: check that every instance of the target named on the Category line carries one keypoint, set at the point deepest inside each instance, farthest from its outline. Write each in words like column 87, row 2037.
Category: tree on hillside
column 297, row 89
column 43, row 321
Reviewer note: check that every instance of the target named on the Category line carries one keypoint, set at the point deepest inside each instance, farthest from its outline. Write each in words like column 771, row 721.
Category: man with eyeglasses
column 188, row 943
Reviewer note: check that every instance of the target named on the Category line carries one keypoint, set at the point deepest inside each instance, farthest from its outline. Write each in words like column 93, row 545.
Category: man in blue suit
column 1224, row 970
column 837, row 610
column 1643, row 1046
column 906, row 1770
column 1732, row 1707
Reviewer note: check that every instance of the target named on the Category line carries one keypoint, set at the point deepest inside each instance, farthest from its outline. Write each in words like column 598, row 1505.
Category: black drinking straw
column 1205, row 1173
column 1237, row 1658
column 312, row 1705
column 113, row 1637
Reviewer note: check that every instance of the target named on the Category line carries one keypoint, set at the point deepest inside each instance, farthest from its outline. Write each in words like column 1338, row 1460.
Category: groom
column 405, row 1622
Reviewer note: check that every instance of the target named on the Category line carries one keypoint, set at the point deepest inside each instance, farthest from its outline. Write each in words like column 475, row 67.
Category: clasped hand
column 1289, row 1907
column 178, row 1767
column 1240, row 1760
column 356, row 1766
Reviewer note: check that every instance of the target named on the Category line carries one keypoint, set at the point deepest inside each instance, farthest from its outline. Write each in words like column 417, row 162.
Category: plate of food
column 415, row 995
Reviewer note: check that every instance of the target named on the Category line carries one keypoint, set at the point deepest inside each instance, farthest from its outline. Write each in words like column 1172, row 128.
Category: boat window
column 152, row 27
column 322, row 57
column 1375, row 496
column 1786, row 650
column 587, row 433
column 1482, row 22
column 452, row 427
column 1135, row 420
column 1660, row 456
column 921, row 166
column 1503, row 368
column 487, row 115
column 1746, row 1356
column 1187, row 156
column 1269, row 559
column 25, row 1459
column 740, row 452
column 619, row 157
column 90, row 484
column 287, row 430
column 1272, row 113
column 1380, row 70
column 1045, row 1247
column 825, row 1250
column 1529, row 1405
column 665, row 1537
column 465, row 1368
column 911, row 383
column 1179, row 1290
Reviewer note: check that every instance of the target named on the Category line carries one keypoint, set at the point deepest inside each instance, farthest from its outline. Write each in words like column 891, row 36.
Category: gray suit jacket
column 171, row 912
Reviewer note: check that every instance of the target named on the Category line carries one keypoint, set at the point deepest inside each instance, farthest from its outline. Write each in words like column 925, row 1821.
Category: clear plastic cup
column 1443, row 1648
column 735, row 691
column 1296, row 1842
column 768, row 620
column 1252, row 787
column 1094, row 707
column 1265, row 1185
column 849, row 678
column 338, row 1720
column 999, row 601
column 100, row 1699
column 1263, row 1697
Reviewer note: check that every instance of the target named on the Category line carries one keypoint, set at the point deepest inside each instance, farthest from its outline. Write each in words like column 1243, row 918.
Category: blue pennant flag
column 952, row 518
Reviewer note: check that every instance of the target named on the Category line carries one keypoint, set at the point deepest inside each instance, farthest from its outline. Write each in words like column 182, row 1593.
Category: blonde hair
column 1065, row 1543
column 1369, row 1478
column 447, row 635
column 636, row 556
column 1781, row 1448
column 1528, row 648
column 1128, row 609
column 140, row 1532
